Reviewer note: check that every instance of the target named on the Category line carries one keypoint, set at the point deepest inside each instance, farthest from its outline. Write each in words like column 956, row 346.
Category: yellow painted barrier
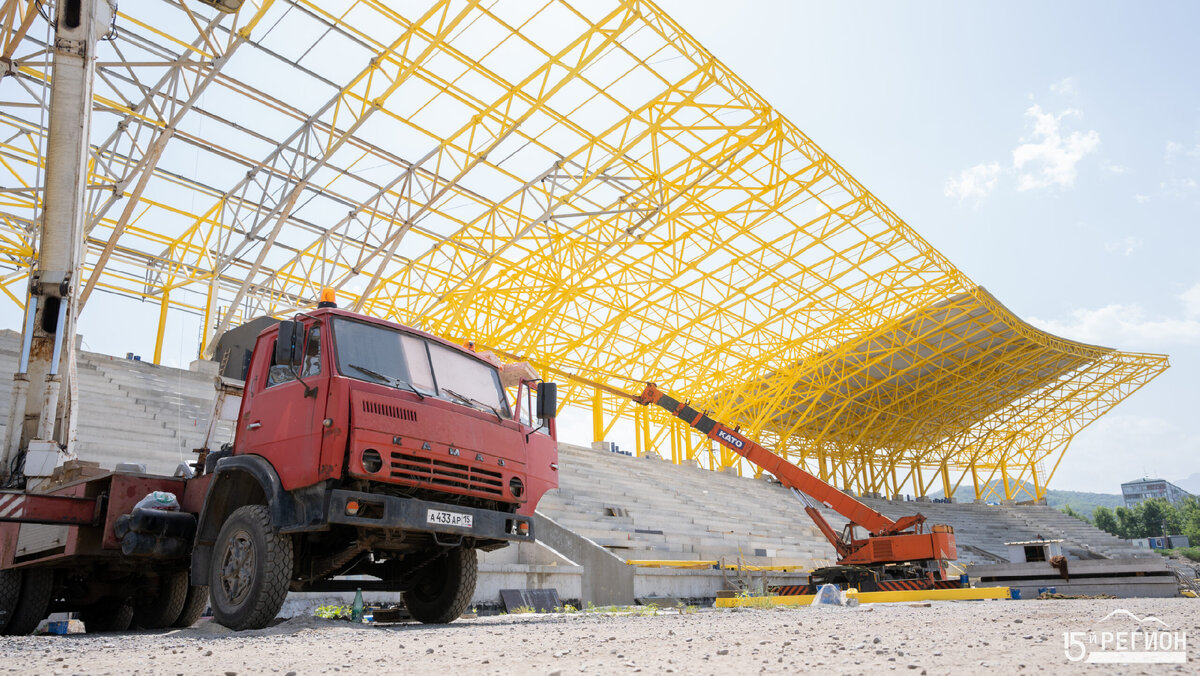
column 909, row 596
column 673, row 563
column 670, row 563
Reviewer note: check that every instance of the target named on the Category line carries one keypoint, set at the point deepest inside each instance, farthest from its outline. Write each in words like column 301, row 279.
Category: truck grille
column 389, row 410
column 428, row 471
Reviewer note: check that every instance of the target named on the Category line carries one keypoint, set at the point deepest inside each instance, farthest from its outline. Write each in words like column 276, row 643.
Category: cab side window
column 310, row 364
column 278, row 373
column 312, row 353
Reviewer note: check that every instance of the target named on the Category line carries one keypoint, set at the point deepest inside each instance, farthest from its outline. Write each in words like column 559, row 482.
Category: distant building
column 1144, row 489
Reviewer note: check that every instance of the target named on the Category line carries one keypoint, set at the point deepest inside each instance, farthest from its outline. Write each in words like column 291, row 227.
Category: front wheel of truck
column 443, row 588
column 250, row 570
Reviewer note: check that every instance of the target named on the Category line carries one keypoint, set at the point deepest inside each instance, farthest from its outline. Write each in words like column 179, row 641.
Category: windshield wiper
column 388, row 380
column 470, row 402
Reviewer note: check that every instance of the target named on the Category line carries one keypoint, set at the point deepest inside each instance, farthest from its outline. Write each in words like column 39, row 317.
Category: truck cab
column 364, row 447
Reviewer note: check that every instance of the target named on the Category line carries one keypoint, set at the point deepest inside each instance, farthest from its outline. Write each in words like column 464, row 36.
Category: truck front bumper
column 371, row 510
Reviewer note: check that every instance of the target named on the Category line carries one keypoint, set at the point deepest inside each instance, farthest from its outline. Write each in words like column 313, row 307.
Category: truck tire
column 10, row 592
column 442, row 590
column 34, row 603
column 193, row 607
column 164, row 608
column 107, row 616
column 250, row 570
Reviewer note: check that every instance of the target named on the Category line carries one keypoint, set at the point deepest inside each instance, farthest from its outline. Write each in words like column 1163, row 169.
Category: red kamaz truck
column 362, row 447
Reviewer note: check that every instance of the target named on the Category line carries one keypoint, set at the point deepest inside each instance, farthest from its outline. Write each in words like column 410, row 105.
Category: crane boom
column 889, row 541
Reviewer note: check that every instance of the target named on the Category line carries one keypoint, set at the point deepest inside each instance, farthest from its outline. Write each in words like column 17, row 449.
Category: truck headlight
column 372, row 462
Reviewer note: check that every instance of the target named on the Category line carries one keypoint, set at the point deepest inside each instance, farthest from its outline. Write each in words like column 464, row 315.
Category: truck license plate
column 443, row 518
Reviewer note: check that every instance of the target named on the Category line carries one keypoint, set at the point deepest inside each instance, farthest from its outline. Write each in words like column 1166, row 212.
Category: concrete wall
column 607, row 580
column 1123, row 578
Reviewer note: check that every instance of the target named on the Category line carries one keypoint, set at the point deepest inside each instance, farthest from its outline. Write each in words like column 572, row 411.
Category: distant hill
column 1080, row 501
column 1190, row 484
column 1084, row 503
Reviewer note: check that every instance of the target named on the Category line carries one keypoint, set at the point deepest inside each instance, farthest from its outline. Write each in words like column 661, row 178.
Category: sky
column 1050, row 150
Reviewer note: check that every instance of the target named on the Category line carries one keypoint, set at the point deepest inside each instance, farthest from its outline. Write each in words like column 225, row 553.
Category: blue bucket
column 1016, row 593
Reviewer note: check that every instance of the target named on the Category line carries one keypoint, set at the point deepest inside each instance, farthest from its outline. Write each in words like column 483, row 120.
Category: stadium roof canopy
column 583, row 185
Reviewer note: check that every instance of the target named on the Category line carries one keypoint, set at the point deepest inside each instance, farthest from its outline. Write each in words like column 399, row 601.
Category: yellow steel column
column 920, row 487
column 598, row 416
column 975, row 481
column 163, row 304
column 638, row 413
column 646, row 428
column 208, row 308
column 1037, row 485
column 675, row 455
column 1004, row 476
column 895, row 482
column 946, row 490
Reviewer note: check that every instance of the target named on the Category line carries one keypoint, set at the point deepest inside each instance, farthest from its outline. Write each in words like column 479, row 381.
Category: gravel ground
column 942, row 637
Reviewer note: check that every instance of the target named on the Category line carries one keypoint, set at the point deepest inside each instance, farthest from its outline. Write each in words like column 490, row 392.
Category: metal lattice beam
column 582, row 185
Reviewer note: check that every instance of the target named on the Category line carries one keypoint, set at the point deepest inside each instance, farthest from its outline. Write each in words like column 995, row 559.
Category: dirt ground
column 943, row 637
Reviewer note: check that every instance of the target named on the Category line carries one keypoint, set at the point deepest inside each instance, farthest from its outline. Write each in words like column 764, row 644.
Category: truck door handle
column 254, row 426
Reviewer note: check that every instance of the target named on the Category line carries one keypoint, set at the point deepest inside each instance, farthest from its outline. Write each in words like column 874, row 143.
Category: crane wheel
column 33, row 605
column 250, row 570
column 442, row 590
column 193, row 607
column 108, row 615
column 167, row 604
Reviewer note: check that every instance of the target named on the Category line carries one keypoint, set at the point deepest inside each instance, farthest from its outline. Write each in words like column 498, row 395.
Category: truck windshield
column 382, row 355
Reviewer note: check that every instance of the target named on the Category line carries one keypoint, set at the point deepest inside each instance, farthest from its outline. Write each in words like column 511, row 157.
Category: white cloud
column 1175, row 149
column 1191, row 301
column 1113, row 167
column 1067, row 86
column 1122, row 447
column 974, row 184
column 1051, row 158
column 1128, row 327
column 1048, row 157
column 1141, row 199
column 1178, row 187
column 1124, row 246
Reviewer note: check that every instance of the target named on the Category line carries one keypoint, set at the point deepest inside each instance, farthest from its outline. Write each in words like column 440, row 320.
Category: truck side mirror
column 547, row 400
column 285, row 343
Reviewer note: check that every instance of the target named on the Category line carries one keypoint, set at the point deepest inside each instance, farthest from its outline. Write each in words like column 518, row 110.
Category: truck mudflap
column 372, row 510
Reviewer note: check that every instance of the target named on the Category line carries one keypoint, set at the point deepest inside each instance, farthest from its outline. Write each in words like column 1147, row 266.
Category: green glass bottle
column 356, row 611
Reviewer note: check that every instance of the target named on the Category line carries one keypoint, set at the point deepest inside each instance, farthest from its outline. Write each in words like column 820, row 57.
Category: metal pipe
column 27, row 339
column 61, row 328
column 16, row 422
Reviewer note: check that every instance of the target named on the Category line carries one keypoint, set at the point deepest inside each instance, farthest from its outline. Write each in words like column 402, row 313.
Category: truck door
column 280, row 422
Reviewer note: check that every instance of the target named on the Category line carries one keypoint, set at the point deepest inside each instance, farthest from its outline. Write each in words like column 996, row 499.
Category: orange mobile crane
column 895, row 555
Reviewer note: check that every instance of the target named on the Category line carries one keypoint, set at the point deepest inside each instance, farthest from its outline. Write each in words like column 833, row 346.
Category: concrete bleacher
column 686, row 513
column 130, row 411
column 668, row 512
column 635, row 508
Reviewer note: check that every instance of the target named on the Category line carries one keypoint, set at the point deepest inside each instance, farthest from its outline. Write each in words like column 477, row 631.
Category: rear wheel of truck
column 193, row 607
column 443, row 588
column 10, row 592
column 164, row 608
column 34, row 602
column 107, row 616
column 250, row 570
